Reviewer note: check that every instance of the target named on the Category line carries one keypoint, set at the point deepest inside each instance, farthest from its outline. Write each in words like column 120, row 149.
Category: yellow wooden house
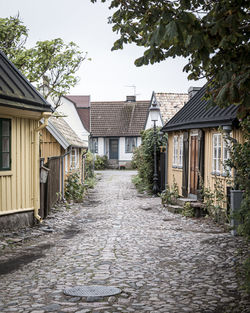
column 21, row 109
column 198, row 146
column 58, row 139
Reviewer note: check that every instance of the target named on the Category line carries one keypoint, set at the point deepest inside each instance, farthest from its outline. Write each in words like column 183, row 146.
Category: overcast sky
column 108, row 74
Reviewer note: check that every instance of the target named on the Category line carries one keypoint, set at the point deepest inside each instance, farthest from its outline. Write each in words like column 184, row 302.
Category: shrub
column 143, row 157
column 89, row 165
column 170, row 195
column 74, row 190
column 101, row 162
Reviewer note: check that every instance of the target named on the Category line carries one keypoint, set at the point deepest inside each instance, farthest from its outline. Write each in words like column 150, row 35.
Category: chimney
column 131, row 99
column 192, row 91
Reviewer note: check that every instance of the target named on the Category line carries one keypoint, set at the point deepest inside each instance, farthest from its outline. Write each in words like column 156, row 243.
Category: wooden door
column 113, row 149
column 194, row 165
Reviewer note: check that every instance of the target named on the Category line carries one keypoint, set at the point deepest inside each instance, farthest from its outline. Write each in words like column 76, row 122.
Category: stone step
column 174, row 208
column 182, row 201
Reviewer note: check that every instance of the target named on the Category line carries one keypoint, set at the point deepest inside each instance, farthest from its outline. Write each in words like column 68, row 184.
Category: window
column 74, row 158
column 94, row 145
column 175, row 154
column 180, row 151
column 226, row 156
column 216, row 153
column 130, row 144
column 5, row 142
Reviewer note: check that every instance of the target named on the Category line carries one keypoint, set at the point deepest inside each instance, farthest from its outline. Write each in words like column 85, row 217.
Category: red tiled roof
column 80, row 101
column 118, row 118
column 84, row 114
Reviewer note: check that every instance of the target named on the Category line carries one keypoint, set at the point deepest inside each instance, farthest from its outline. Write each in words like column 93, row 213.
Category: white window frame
column 74, row 158
column 226, row 155
column 66, row 163
column 94, row 145
column 217, row 154
column 175, row 150
column 180, row 158
column 130, row 144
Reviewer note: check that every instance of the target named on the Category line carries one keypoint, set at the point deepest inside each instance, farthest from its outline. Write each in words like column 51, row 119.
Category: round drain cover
column 92, row 291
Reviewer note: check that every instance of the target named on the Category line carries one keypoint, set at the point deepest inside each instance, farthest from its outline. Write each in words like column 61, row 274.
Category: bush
column 101, row 162
column 74, row 190
column 170, row 195
column 89, row 165
column 143, row 157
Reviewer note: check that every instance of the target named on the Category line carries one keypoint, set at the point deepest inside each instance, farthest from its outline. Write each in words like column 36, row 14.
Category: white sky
column 107, row 75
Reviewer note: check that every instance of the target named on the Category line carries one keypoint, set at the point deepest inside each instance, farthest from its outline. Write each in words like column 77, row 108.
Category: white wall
column 126, row 156
column 68, row 109
column 150, row 123
column 100, row 146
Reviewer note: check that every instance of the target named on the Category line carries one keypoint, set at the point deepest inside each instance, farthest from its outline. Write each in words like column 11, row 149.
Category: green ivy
column 143, row 157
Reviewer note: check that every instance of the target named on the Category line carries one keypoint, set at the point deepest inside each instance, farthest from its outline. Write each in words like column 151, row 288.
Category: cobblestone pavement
column 162, row 262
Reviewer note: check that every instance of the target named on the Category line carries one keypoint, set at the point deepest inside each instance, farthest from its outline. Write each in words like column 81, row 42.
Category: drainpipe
column 36, row 193
column 62, row 171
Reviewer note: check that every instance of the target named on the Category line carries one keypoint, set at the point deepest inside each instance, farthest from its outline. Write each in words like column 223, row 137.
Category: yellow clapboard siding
column 17, row 186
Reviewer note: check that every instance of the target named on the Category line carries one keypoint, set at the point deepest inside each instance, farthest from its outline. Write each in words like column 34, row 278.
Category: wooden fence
column 50, row 191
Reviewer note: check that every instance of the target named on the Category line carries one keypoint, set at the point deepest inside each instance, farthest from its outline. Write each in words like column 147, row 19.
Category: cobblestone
column 162, row 262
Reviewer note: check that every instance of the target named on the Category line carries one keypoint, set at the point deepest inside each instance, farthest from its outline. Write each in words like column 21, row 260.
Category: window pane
column 5, row 144
column 5, row 128
column 5, row 160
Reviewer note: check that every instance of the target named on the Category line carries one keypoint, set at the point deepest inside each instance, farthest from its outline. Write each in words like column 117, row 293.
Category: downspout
column 36, row 191
column 62, row 171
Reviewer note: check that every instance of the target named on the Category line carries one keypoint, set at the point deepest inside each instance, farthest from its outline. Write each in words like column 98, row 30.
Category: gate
column 49, row 191
column 162, row 171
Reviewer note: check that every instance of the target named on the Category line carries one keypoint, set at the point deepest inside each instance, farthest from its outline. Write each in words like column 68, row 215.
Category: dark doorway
column 194, row 166
column 113, row 149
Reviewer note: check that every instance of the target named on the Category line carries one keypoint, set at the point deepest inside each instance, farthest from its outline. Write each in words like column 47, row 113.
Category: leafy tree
column 212, row 35
column 50, row 64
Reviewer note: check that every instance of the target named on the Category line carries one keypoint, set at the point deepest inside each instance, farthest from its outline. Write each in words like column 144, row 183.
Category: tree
column 212, row 35
column 51, row 64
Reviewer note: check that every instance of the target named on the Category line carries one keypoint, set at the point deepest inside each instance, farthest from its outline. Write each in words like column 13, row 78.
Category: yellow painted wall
column 174, row 174
column 19, row 187
column 209, row 178
column 49, row 147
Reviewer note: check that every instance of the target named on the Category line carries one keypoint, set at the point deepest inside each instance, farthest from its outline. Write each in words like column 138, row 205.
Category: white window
column 66, row 163
column 226, row 156
column 180, row 151
column 175, row 151
column 217, row 153
column 130, row 144
column 74, row 158
column 94, row 145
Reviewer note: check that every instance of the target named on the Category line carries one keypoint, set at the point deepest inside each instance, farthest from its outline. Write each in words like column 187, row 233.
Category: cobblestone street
column 162, row 262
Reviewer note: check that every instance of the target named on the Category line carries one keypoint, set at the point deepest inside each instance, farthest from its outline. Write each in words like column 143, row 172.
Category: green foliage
column 215, row 201
column 143, row 157
column 89, row 166
column 74, row 190
column 170, row 194
column 101, row 162
column 240, row 162
column 136, row 158
column 212, row 35
column 188, row 210
column 50, row 64
column 139, row 183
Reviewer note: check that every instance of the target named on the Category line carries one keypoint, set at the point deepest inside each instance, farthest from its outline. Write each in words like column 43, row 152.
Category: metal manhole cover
column 92, row 291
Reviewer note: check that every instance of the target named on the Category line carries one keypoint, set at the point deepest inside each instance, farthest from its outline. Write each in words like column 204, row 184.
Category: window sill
column 177, row 168
column 215, row 173
column 6, row 173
